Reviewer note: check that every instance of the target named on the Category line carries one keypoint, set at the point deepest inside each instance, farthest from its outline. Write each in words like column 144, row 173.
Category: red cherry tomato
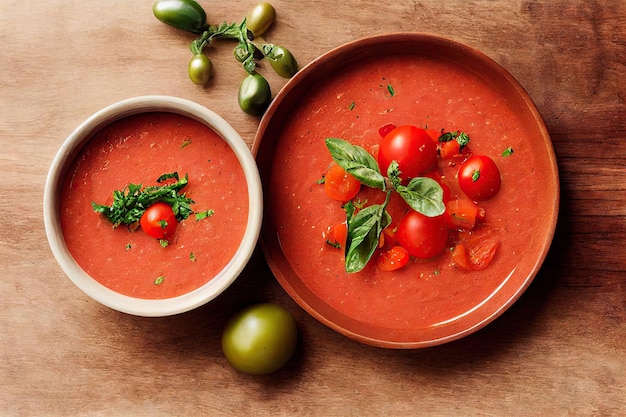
column 340, row 185
column 159, row 221
column 393, row 259
column 479, row 177
column 339, row 234
column 411, row 147
column 386, row 129
column 423, row 237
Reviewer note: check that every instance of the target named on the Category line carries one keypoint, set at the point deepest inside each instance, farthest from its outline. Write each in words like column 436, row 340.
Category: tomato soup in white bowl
column 125, row 161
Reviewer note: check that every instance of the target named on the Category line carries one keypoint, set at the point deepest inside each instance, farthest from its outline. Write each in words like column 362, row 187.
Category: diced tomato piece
column 476, row 251
column 462, row 213
column 459, row 257
column 393, row 259
column 450, row 149
column 386, row 129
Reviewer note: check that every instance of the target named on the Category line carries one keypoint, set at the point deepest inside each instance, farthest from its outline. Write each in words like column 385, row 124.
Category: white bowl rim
column 65, row 156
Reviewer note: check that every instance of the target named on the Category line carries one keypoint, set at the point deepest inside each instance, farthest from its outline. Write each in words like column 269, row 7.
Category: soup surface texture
column 353, row 105
column 139, row 149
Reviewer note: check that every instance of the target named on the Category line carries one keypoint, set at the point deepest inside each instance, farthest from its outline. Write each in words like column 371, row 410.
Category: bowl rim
column 311, row 72
column 81, row 136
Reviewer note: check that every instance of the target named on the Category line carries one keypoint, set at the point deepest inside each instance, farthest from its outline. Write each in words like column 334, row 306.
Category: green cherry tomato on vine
column 182, row 14
column 200, row 69
column 255, row 94
column 260, row 339
column 281, row 60
column 260, row 18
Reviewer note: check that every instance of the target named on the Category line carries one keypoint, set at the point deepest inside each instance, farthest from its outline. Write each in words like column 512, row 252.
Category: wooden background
column 560, row 350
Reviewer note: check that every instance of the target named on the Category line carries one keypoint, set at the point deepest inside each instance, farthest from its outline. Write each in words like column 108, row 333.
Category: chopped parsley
column 204, row 214
column 507, row 152
column 391, row 90
column 159, row 280
column 130, row 203
column 186, row 142
column 352, row 105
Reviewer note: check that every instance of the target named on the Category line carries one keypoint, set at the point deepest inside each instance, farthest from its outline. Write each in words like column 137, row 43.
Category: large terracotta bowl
column 352, row 91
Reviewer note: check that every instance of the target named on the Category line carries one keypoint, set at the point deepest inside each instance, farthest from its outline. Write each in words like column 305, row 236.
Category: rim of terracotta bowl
column 309, row 77
column 79, row 138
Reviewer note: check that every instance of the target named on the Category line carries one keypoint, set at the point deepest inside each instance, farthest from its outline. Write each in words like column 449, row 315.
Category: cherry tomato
column 479, row 177
column 340, row 185
column 255, row 94
column 393, row 259
column 423, row 237
column 200, row 69
column 411, row 147
column 260, row 339
column 159, row 221
column 260, row 18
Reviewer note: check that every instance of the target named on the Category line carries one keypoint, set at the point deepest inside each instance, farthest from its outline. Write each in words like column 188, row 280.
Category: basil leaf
column 423, row 195
column 364, row 229
column 356, row 161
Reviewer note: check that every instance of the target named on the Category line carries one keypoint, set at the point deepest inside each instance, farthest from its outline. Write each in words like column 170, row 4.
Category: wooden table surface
column 560, row 350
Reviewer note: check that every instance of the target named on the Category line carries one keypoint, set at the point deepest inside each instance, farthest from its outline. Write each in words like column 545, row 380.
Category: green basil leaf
column 423, row 195
column 356, row 161
column 364, row 229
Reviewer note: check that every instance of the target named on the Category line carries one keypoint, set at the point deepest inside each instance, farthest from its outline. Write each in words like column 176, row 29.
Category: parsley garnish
column 507, row 151
column 461, row 137
column 391, row 90
column 159, row 280
column 131, row 202
column 204, row 214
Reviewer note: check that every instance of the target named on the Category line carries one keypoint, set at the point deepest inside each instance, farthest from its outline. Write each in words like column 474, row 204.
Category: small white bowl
column 72, row 146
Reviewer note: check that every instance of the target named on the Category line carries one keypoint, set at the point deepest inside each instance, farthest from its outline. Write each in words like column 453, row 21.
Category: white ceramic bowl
column 64, row 158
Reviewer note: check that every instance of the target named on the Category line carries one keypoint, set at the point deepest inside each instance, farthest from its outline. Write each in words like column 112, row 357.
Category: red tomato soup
column 353, row 106
column 139, row 149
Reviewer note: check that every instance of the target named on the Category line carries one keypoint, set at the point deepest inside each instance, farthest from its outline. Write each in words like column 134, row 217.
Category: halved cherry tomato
column 340, row 185
column 159, row 221
column 462, row 213
column 393, row 259
column 411, row 147
column 339, row 234
column 479, row 177
column 423, row 237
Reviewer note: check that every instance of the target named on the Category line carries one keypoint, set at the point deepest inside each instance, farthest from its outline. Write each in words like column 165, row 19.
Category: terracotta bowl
column 165, row 305
column 352, row 91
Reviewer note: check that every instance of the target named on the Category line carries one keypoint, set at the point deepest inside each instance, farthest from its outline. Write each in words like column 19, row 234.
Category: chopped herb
column 127, row 246
column 186, row 142
column 321, row 180
column 391, row 90
column 130, row 203
column 462, row 138
column 507, row 151
column 352, row 105
column 192, row 257
column 436, row 272
column 164, row 243
column 475, row 175
column 159, row 280
column 333, row 244
column 204, row 214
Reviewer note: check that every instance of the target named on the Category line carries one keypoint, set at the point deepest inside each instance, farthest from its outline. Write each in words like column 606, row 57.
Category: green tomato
column 281, row 60
column 260, row 339
column 182, row 14
column 200, row 69
column 255, row 94
column 260, row 18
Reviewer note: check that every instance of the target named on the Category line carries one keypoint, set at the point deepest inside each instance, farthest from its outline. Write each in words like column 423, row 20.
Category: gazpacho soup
column 417, row 275
column 156, row 162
